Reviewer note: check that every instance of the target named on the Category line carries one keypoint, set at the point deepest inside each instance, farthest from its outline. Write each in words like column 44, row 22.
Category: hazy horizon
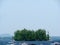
column 30, row 14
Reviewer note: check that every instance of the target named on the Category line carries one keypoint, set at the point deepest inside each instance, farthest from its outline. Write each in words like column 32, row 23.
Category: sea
column 5, row 40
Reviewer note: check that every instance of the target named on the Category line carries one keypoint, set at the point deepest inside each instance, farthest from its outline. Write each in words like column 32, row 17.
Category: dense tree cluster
column 30, row 35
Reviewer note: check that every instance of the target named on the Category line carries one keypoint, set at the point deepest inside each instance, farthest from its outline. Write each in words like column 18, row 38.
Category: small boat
column 24, row 43
column 10, row 43
column 55, row 43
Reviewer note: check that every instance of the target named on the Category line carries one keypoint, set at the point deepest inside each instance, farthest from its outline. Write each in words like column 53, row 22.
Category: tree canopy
column 31, row 35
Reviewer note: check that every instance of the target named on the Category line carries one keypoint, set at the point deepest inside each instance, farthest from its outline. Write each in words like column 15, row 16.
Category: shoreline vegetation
column 31, row 35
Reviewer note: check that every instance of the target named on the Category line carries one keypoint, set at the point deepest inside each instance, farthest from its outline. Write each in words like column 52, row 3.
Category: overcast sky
column 30, row 14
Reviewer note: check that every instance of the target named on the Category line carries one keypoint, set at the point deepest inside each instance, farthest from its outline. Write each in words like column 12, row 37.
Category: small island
column 31, row 35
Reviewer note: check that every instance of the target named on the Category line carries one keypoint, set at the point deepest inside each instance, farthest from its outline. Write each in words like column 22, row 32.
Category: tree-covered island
column 30, row 35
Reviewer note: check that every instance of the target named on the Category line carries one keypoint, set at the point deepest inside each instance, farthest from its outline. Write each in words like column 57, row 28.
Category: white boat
column 10, row 43
column 55, row 43
column 24, row 43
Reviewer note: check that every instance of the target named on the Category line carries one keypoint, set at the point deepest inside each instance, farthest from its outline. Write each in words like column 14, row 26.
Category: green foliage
column 40, row 34
column 30, row 35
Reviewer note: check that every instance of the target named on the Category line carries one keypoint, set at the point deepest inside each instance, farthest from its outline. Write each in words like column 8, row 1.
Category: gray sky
column 30, row 14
